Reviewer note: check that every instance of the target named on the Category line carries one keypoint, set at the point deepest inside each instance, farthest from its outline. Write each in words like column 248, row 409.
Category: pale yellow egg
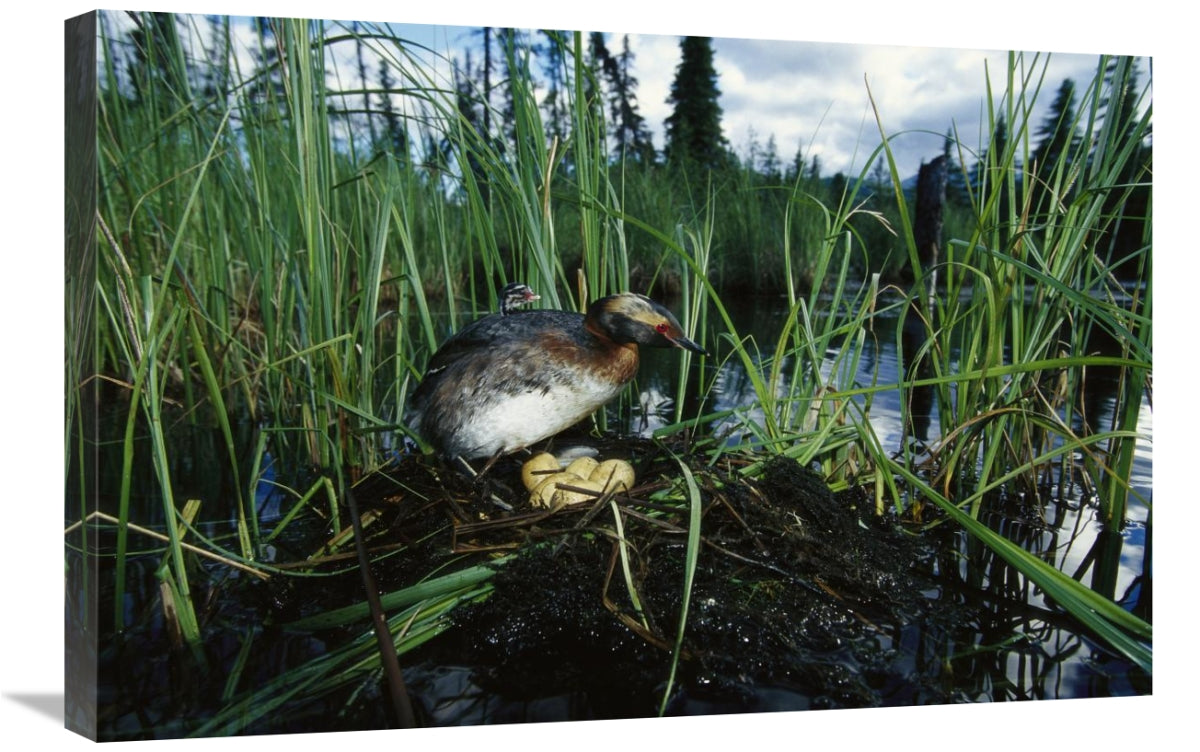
column 582, row 466
column 537, row 468
column 551, row 494
column 613, row 475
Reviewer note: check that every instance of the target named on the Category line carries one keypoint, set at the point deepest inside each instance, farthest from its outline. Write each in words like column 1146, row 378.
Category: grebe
column 505, row 382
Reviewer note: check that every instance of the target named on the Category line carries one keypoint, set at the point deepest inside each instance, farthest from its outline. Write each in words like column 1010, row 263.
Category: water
column 761, row 318
column 1072, row 538
column 1023, row 647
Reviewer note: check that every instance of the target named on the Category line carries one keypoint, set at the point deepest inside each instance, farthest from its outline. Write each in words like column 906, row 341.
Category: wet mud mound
column 801, row 599
column 798, row 601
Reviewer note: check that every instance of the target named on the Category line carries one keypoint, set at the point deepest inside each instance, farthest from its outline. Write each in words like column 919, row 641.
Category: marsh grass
column 268, row 273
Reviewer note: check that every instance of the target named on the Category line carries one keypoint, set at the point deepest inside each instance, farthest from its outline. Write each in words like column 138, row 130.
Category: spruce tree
column 555, row 102
column 771, row 166
column 1129, row 204
column 362, row 76
column 394, row 132
column 880, row 179
column 474, row 114
column 1052, row 156
column 512, row 45
column 154, row 73
column 1122, row 96
column 693, row 130
column 216, row 81
column 633, row 137
column 486, row 33
column 598, row 60
column 992, row 154
column 1057, row 132
column 266, row 90
column 956, row 180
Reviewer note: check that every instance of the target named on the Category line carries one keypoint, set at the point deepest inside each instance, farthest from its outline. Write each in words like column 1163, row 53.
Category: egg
column 582, row 466
column 537, row 468
column 613, row 475
column 550, row 494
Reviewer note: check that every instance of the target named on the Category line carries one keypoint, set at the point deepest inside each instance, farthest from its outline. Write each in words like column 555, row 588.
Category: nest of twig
column 794, row 586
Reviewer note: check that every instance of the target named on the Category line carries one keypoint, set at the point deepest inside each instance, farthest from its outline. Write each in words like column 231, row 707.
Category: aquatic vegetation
column 270, row 285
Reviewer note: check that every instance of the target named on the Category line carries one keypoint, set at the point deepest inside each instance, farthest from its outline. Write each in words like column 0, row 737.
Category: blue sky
column 811, row 97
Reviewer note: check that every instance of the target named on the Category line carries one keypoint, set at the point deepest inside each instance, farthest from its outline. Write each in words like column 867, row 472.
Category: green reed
column 260, row 278
column 419, row 613
column 1015, row 330
column 1011, row 341
column 254, row 271
column 1031, row 285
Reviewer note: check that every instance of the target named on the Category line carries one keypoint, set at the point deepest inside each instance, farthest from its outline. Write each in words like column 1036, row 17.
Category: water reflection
column 1070, row 535
column 733, row 392
column 878, row 363
column 655, row 409
column 1021, row 646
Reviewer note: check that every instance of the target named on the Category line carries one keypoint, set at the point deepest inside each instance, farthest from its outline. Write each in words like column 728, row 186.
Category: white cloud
column 809, row 96
column 816, row 95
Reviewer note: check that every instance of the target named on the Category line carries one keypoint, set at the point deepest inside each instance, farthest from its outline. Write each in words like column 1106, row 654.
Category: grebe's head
column 515, row 294
column 631, row 318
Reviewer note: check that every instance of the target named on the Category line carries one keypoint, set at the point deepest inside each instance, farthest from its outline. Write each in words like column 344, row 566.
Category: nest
column 797, row 594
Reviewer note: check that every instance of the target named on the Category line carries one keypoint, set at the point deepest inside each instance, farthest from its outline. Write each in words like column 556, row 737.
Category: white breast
column 524, row 419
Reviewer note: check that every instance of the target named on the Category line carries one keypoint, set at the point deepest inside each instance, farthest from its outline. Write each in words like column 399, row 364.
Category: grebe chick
column 503, row 383
column 514, row 295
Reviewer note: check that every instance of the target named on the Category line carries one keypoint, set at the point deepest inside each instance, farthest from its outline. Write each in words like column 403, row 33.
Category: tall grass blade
column 695, row 509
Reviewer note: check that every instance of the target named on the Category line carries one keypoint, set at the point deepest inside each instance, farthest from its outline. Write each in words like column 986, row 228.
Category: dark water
column 879, row 364
column 762, row 319
column 1021, row 648
column 1024, row 648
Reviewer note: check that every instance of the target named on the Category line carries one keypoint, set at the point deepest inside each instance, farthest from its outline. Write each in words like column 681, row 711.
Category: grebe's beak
column 686, row 344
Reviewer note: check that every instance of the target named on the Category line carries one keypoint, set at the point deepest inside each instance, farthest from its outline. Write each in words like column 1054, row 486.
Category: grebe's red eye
column 662, row 328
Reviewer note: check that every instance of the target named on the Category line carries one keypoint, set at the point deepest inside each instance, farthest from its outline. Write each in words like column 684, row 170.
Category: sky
column 812, row 97
column 31, row 305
